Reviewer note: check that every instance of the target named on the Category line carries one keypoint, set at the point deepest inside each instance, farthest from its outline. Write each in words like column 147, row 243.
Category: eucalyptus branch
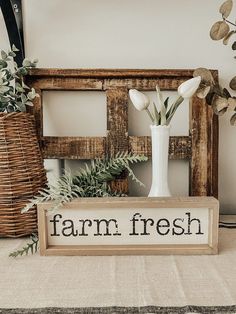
column 229, row 22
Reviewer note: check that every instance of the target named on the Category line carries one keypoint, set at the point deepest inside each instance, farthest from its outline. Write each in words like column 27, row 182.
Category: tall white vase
column 160, row 148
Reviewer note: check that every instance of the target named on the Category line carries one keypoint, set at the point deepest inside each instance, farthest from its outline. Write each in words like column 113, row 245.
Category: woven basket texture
column 21, row 173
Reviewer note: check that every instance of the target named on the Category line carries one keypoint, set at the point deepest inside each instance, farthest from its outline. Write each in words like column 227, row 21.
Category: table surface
column 35, row 281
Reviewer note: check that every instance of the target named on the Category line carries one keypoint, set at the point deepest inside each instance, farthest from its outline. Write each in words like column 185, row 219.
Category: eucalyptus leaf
column 12, row 54
column 219, row 30
column 219, row 105
column 3, row 64
column 4, row 55
column 23, row 98
column 203, row 91
column 226, row 8
column 26, row 63
column 232, row 104
column 232, row 83
column 226, row 93
column 227, row 37
column 10, row 108
column 14, row 48
column 22, row 71
column 205, row 74
column 4, row 89
column 233, row 120
column 21, row 106
column 234, row 46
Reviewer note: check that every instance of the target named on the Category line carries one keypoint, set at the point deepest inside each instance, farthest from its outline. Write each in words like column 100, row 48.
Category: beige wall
column 128, row 34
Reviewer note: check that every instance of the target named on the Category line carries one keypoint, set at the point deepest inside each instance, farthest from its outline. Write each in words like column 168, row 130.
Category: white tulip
column 188, row 88
column 139, row 100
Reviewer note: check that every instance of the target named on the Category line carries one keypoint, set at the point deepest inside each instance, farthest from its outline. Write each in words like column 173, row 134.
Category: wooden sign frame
column 200, row 147
column 93, row 205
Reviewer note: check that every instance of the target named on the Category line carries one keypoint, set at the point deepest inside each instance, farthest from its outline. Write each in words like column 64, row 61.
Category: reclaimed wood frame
column 200, row 147
column 94, row 204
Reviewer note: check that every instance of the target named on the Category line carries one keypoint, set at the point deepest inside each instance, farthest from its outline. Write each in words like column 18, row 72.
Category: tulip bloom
column 164, row 116
column 188, row 88
column 140, row 101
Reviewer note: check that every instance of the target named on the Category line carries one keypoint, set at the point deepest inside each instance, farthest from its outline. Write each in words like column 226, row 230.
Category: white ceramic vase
column 160, row 150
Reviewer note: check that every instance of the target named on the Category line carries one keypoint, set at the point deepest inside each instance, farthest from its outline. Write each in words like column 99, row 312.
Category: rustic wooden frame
column 200, row 147
column 133, row 202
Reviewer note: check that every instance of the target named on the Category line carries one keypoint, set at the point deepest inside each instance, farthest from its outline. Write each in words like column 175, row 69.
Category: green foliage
column 15, row 95
column 91, row 181
column 31, row 247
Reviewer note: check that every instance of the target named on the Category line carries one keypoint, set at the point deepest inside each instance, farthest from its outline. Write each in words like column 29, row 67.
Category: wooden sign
column 130, row 226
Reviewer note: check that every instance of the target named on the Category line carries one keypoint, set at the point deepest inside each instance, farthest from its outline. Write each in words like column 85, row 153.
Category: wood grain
column 201, row 148
column 204, row 160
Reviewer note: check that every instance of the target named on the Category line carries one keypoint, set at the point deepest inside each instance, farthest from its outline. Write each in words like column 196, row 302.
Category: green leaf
column 4, row 89
column 226, row 8
column 3, row 64
column 26, row 63
column 156, row 114
column 166, row 102
column 4, row 55
column 23, row 98
column 12, row 54
column 219, row 30
column 227, row 37
column 233, row 120
column 22, row 71
column 21, row 106
column 14, row 48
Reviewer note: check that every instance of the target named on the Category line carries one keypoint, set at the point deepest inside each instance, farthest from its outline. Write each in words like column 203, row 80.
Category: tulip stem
column 150, row 115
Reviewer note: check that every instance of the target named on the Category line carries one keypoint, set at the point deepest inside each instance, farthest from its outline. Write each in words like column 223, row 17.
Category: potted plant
column 21, row 165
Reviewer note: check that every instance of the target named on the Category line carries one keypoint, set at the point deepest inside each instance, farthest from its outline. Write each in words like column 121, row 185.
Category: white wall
column 132, row 34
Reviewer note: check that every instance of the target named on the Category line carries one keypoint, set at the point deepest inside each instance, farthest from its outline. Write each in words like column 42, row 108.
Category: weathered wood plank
column 144, row 84
column 117, row 129
column 73, row 147
column 65, row 83
column 204, row 160
column 180, row 146
column 113, row 73
column 117, row 121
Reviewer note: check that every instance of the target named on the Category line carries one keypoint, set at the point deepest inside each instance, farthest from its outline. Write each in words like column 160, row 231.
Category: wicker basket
column 21, row 173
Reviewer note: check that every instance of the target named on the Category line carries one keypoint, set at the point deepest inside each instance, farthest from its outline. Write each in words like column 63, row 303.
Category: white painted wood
column 130, row 226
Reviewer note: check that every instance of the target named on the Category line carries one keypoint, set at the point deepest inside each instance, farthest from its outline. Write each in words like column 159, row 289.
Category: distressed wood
column 204, row 163
column 111, row 73
column 180, row 147
column 73, row 147
column 201, row 147
column 94, row 205
column 117, row 129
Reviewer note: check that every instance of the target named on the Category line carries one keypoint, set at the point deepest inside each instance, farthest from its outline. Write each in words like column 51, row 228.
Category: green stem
column 150, row 115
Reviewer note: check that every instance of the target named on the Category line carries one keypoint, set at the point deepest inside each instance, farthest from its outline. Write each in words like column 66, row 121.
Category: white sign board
column 130, row 226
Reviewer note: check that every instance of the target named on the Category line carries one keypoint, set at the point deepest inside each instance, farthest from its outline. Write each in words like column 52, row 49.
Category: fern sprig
column 89, row 182
column 31, row 247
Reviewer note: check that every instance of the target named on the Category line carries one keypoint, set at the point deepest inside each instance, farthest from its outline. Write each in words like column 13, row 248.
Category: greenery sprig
column 31, row 247
column 15, row 95
column 220, row 98
column 91, row 181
